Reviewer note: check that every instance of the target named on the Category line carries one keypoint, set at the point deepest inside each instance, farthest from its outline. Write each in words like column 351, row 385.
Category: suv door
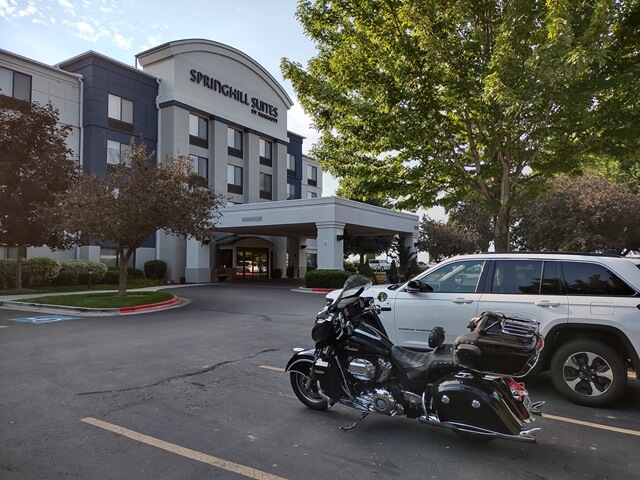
column 447, row 297
column 588, row 370
column 526, row 288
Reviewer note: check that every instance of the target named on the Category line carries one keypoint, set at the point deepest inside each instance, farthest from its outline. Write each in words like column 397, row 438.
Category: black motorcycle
column 467, row 387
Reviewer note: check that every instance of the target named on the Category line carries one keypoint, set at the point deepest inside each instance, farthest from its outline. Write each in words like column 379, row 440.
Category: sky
column 51, row 31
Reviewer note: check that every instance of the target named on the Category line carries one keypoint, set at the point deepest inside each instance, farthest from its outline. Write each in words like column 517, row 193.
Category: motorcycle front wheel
column 307, row 392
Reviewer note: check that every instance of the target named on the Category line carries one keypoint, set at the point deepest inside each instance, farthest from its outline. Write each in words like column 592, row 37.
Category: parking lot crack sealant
column 178, row 377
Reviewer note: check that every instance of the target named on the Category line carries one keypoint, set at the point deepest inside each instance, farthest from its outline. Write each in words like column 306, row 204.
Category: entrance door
column 252, row 263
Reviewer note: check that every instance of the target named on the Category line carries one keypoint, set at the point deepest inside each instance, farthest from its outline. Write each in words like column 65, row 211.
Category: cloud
column 121, row 41
column 85, row 31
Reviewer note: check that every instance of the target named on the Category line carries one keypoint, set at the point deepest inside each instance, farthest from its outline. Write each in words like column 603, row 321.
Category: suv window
column 524, row 277
column 591, row 279
column 455, row 277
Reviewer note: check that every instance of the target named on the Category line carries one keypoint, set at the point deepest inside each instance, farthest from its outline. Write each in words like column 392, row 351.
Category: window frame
column 291, row 162
column 198, row 136
column 122, row 147
column 266, row 157
column 15, row 74
column 312, row 175
column 235, row 173
column 197, row 162
column 235, row 144
column 266, row 180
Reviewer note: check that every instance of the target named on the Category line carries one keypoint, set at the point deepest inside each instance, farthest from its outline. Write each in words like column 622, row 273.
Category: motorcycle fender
column 471, row 399
column 301, row 362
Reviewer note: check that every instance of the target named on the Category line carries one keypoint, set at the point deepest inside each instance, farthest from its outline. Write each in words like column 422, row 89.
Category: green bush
column 134, row 273
column 349, row 266
column 77, row 271
column 39, row 271
column 112, row 277
column 155, row 269
column 7, row 273
column 326, row 278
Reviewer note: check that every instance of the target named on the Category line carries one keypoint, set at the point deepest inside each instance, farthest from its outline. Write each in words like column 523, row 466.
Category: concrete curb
column 84, row 311
column 314, row 290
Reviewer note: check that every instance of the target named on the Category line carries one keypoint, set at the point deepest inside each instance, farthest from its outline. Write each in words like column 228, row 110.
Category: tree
column 362, row 245
column 431, row 101
column 470, row 217
column 35, row 166
column 582, row 214
column 137, row 198
column 443, row 240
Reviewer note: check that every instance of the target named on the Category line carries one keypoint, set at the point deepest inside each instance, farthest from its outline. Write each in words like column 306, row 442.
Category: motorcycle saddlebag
column 467, row 399
column 499, row 345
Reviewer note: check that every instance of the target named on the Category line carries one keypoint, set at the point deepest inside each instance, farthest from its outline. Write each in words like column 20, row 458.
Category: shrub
column 155, row 269
column 78, row 270
column 134, row 273
column 39, row 271
column 326, row 278
column 414, row 269
column 7, row 273
column 349, row 266
column 112, row 277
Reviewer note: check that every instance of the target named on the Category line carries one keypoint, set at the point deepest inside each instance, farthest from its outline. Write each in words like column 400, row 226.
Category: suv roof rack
column 588, row 254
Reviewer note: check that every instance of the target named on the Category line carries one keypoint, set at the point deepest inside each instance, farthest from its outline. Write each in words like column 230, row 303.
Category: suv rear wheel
column 588, row 372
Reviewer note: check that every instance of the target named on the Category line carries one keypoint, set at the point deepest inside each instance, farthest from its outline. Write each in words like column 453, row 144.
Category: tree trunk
column 124, row 264
column 22, row 253
column 361, row 266
column 501, row 237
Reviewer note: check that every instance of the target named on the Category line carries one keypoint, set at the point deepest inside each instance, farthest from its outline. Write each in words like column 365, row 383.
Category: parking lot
column 199, row 392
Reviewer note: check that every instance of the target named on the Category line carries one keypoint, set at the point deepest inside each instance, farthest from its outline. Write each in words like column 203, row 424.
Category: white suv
column 379, row 265
column 588, row 307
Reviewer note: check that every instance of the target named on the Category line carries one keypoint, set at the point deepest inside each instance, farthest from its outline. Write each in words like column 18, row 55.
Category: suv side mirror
column 415, row 287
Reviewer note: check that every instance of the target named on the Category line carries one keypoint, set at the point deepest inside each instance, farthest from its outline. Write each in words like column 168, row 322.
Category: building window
column 291, row 165
column 312, row 176
column 291, row 191
column 234, row 180
column 109, row 257
column 266, row 152
column 15, row 84
column 234, row 142
column 120, row 113
column 198, row 131
column 200, row 165
column 312, row 195
column 266, row 182
column 117, row 153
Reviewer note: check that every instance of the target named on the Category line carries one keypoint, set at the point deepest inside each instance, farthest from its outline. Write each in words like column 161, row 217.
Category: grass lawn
column 102, row 300
column 80, row 288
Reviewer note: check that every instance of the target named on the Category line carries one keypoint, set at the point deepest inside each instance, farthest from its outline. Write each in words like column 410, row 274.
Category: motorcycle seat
column 424, row 367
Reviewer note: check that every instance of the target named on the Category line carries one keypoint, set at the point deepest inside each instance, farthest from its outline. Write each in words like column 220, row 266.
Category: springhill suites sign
column 258, row 107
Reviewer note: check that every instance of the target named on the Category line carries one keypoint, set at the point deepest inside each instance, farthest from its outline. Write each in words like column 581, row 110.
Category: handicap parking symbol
column 44, row 319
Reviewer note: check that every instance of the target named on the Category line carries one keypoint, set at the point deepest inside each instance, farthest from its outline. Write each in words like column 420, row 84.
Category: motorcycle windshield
column 354, row 286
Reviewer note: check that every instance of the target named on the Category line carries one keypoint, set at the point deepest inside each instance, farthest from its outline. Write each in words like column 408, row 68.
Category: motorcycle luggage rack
column 512, row 326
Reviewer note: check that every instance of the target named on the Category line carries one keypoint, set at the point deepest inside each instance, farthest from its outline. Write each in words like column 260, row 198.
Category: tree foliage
column 446, row 239
column 582, row 214
column 361, row 245
column 432, row 101
column 35, row 166
column 136, row 199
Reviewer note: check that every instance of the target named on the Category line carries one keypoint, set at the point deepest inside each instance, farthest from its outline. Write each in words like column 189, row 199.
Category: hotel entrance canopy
column 325, row 218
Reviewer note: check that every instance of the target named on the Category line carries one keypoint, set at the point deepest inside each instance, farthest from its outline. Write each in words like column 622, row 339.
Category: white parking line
column 592, row 425
column 276, row 369
column 182, row 451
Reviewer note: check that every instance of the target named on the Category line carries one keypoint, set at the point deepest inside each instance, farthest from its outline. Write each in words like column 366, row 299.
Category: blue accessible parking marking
column 44, row 319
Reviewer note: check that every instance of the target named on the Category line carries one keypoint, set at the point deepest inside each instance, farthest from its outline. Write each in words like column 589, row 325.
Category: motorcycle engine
column 374, row 371
column 366, row 370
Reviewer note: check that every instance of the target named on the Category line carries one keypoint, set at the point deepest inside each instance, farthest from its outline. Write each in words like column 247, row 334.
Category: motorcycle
column 467, row 387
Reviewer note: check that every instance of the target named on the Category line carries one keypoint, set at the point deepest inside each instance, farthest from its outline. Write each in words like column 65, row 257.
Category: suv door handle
column 462, row 300
column 546, row 303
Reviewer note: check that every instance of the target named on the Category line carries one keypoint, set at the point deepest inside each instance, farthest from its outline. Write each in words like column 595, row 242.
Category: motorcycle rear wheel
column 308, row 396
